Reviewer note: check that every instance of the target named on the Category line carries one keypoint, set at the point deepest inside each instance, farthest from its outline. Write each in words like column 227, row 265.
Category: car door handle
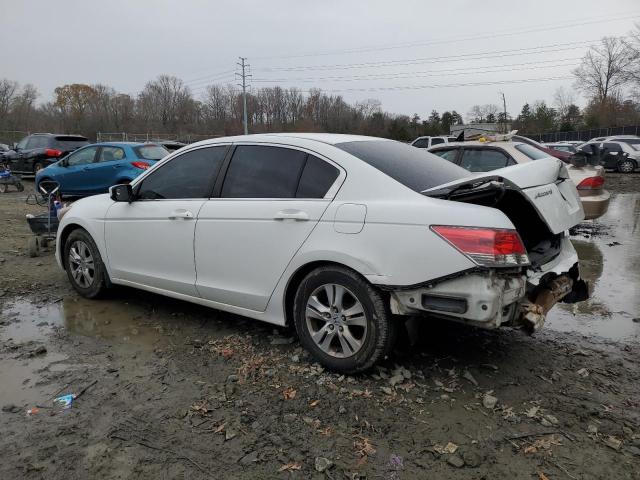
column 181, row 214
column 297, row 215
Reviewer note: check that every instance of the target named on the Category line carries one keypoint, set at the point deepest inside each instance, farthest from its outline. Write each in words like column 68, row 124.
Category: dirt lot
column 171, row 390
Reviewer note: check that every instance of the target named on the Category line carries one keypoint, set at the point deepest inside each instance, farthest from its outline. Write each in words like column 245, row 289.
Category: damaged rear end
column 520, row 273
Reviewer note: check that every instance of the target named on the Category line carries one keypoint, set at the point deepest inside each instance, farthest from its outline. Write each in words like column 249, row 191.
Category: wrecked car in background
column 489, row 154
column 335, row 234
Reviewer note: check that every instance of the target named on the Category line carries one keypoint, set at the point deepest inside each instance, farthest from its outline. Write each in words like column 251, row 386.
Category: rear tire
column 4, row 188
column 37, row 167
column 84, row 265
column 626, row 166
column 343, row 321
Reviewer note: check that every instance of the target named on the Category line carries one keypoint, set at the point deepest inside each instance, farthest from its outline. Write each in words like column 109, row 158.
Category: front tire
column 626, row 166
column 84, row 265
column 342, row 320
column 37, row 167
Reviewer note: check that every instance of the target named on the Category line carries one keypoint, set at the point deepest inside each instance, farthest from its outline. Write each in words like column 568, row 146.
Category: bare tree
column 8, row 89
column 604, row 69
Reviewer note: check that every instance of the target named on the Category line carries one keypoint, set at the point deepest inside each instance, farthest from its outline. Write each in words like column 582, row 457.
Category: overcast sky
column 407, row 54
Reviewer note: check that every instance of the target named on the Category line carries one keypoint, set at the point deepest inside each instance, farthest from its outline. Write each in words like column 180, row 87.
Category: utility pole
column 243, row 65
column 504, row 119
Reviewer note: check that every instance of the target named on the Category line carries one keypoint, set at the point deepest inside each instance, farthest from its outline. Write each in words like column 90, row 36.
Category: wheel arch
column 298, row 275
column 62, row 239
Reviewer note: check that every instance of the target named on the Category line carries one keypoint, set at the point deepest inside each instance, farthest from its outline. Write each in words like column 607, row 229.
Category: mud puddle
column 115, row 321
column 610, row 262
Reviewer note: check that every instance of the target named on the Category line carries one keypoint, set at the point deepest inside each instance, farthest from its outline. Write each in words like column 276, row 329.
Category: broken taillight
column 141, row 165
column 489, row 247
column 591, row 183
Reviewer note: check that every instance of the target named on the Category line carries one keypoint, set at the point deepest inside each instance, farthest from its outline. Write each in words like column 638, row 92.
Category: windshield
column 413, row 167
column 150, row 152
column 532, row 152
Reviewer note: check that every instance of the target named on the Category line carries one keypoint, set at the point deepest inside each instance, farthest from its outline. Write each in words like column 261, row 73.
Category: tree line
column 609, row 77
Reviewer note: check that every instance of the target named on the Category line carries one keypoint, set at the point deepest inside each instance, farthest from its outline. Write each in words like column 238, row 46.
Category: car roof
column 477, row 143
column 121, row 144
column 328, row 138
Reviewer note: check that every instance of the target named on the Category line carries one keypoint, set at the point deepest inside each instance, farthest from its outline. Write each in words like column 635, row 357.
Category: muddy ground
column 172, row 390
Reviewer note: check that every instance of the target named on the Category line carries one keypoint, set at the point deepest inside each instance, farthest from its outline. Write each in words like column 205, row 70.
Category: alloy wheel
column 81, row 264
column 336, row 320
column 626, row 167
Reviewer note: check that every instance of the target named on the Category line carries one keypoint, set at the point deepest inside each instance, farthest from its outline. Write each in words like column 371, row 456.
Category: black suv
column 40, row 150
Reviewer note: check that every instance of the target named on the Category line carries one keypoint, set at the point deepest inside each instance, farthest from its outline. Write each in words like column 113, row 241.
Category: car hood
column 545, row 183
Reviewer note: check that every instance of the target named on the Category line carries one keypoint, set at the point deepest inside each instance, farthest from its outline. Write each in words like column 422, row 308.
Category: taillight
column 52, row 152
column 591, row 183
column 489, row 247
column 141, row 165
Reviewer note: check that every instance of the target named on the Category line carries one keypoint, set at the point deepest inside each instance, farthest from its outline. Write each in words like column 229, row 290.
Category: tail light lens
column 489, row 247
column 591, row 183
column 141, row 165
column 52, row 152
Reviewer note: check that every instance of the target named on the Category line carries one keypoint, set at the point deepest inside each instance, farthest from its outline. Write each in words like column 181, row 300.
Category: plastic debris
column 65, row 400
column 33, row 411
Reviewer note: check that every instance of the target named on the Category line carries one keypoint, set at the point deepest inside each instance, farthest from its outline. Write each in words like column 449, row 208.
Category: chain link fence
column 151, row 137
column 583, row 135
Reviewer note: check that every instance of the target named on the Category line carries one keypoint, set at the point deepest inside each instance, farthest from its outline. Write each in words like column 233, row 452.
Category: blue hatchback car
column 96, row 167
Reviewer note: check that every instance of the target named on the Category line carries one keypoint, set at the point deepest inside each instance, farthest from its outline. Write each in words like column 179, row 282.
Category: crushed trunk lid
column 545, row 184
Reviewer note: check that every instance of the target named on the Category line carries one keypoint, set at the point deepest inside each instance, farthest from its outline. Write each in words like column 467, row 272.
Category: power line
column 422, row 87
column 443, row 58
column 434, row 73
column 519, row 31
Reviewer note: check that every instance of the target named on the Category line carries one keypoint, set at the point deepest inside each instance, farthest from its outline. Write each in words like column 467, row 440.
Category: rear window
column 413, row 167
column 150, row 152
column 69, row 143
column 532, row 152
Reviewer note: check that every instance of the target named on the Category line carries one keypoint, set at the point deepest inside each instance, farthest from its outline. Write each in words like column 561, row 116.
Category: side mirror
column 121, row 193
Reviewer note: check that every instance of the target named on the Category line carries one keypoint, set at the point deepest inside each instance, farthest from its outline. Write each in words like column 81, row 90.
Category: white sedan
column 339, row 235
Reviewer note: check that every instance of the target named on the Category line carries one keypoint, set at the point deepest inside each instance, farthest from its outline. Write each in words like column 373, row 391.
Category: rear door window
column 437, row 141
column 259, row 171
column 483, row 160
column 316, row 179
column 190, row 175
column 110, row 154
column 612, row 147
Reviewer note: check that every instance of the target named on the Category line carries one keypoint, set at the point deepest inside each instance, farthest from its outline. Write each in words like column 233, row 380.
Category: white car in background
column 477, row 156
column 335, row 234
column 428, row 142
